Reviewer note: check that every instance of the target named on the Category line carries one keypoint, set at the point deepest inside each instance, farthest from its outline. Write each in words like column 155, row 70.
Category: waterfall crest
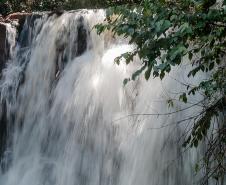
column 70, row 120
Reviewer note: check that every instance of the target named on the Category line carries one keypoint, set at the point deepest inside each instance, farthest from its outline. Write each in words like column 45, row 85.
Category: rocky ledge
column 15, row 17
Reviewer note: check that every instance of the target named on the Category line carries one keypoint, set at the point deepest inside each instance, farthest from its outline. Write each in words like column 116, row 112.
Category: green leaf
column 155, row 73
column 162, row 75
column 185, row 29
column 183, row 97
column 170, row 103
column 125, row 81
column 137, row 73
column 162, row 66
column 190, row 55
column 117, row 60
column 161, row 26
column 148, row 72
column 177, row 51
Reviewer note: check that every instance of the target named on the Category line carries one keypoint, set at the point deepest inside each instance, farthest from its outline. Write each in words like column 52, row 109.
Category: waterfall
column 71, row 121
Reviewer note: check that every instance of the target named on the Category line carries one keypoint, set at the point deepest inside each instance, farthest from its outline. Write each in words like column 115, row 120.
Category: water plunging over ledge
column 65, row 106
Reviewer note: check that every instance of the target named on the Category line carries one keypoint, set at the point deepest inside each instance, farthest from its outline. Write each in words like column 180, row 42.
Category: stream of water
column 70, row 120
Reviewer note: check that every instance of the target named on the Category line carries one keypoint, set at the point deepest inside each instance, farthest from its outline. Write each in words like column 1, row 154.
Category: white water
column 68, row 122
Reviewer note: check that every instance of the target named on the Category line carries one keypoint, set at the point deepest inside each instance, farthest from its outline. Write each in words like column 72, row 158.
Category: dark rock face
column 80, row 43
column 78, row 47
column 2, row 45
column 82, row 39
column 3, row 131
column 25, row 33
column 3, row 122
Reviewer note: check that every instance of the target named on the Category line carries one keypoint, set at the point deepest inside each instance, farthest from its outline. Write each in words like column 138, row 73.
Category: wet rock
column 25, row 33
column 3, row 128
column 80, row 43
column 2, row 45
column 2, row 105
column 82, row 40
column 20, row 16
column 81, row 37
column 76, row 49
column 56, row 12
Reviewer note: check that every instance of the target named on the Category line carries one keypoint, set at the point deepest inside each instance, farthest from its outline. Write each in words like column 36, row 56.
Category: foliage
column 164, row 33
column 4, row 7
column 54, row 5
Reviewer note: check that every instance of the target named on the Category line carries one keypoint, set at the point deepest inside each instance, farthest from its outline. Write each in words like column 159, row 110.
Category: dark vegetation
column 9, row 6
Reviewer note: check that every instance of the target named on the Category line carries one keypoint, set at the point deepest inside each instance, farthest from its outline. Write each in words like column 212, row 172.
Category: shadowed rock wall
column 2, row 45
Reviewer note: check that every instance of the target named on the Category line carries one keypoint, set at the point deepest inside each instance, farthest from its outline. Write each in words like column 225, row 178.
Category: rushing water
column 70, row 120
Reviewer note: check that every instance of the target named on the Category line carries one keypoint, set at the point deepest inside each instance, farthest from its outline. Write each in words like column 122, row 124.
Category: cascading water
column 70, row 120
